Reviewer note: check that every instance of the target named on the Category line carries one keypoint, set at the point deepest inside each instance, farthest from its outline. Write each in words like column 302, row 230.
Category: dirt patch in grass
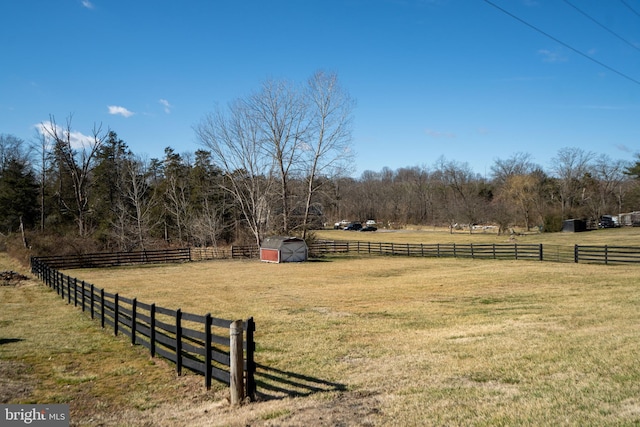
column 15, row 381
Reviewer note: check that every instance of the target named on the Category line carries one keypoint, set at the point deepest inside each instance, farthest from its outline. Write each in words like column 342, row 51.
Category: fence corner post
column 236, row 362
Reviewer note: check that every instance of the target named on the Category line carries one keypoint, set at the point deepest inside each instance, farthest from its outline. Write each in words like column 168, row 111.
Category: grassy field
column 359, row 341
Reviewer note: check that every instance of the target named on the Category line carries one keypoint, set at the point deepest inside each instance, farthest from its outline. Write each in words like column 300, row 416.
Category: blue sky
column 458, row 79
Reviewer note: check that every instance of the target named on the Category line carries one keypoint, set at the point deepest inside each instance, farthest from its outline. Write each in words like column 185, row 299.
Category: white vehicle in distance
column 342, row 224
column 370, row 222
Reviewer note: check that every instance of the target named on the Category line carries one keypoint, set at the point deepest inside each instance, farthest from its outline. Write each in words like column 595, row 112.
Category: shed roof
column 276, row 242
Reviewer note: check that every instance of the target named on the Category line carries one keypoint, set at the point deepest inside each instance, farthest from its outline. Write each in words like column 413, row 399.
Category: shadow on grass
column 275, row 383
column 9, row 340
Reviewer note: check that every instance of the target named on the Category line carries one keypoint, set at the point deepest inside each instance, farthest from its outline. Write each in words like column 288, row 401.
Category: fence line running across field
column 186, row 339
column 507, row 251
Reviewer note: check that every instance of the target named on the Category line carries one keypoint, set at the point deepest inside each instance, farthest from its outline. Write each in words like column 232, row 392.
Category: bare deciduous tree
column 76, row 155
column 327, row 147
column 233, row 137
column 570, row 166
column 279, row 113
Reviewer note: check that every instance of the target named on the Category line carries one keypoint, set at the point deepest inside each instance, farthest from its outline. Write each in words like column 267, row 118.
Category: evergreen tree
column 18, row 196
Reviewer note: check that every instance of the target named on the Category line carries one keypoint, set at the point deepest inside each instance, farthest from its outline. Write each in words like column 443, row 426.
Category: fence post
column 83, row 290
column 75, row 292
column 92, row 303
column 68, row 287
column 471, row 245
column 251, row 364
column 494, row 251
column 102, row 308
column 515, row 248
column 179, row 341
column 207, row 351
column 606, row 254
column 116, row 309
column 134, row 307
column 540, row 252
column 60, row 279
column 575, row 254
column 236, row 362
column 152, row 325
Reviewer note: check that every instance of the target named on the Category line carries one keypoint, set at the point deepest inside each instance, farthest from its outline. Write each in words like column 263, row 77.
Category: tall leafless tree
column 570, row 166
column 327, row 150
column 234, row 139
column 279, row 113
column 77, row 157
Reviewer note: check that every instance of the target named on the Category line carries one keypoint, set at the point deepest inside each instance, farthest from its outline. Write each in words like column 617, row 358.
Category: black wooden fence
column 97, row 260
column 191, row 341
column 473, row 250
column 505, row 251
column 607, row 254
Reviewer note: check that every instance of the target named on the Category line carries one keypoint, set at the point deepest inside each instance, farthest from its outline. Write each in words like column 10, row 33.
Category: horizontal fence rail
column 607, row 254
column 201, row 343
column 504, row 251
column 475, row 250
column 245, row 251
column 99, row 260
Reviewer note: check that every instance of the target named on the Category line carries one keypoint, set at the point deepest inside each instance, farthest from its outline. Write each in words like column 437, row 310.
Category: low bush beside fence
column 204, row 344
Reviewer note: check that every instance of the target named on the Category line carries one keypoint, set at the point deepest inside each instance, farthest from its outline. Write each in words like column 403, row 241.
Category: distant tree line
column 278, row 162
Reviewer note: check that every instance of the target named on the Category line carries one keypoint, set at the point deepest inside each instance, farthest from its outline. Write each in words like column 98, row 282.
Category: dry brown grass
column 629, row 236
column 355, row 341
column 424, row 342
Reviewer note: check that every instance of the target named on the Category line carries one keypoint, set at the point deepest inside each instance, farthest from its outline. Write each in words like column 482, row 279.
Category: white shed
column 283, row 249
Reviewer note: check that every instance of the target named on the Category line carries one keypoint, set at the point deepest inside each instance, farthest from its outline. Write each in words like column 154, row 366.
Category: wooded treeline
column 278, row 162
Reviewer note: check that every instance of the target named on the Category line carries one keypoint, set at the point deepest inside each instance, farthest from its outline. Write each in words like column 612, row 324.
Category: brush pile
column 11, row 278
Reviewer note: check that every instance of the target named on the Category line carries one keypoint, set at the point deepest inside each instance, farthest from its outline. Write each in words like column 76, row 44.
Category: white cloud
column 115, row 110
column 87, row 4
column 437, row 134
column 166, row 105
column 549, row 56
column 77, row 139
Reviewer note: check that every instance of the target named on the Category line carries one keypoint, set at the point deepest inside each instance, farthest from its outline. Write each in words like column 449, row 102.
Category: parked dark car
column 607, row 221
column 354, row 226
column 368, row 228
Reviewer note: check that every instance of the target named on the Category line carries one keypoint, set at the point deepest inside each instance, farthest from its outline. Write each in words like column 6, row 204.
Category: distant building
column 283, row 249
column 574, row 225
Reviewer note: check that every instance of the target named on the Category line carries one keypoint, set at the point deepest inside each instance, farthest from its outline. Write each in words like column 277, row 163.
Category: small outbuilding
column 574, row 225
column 283, row 249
